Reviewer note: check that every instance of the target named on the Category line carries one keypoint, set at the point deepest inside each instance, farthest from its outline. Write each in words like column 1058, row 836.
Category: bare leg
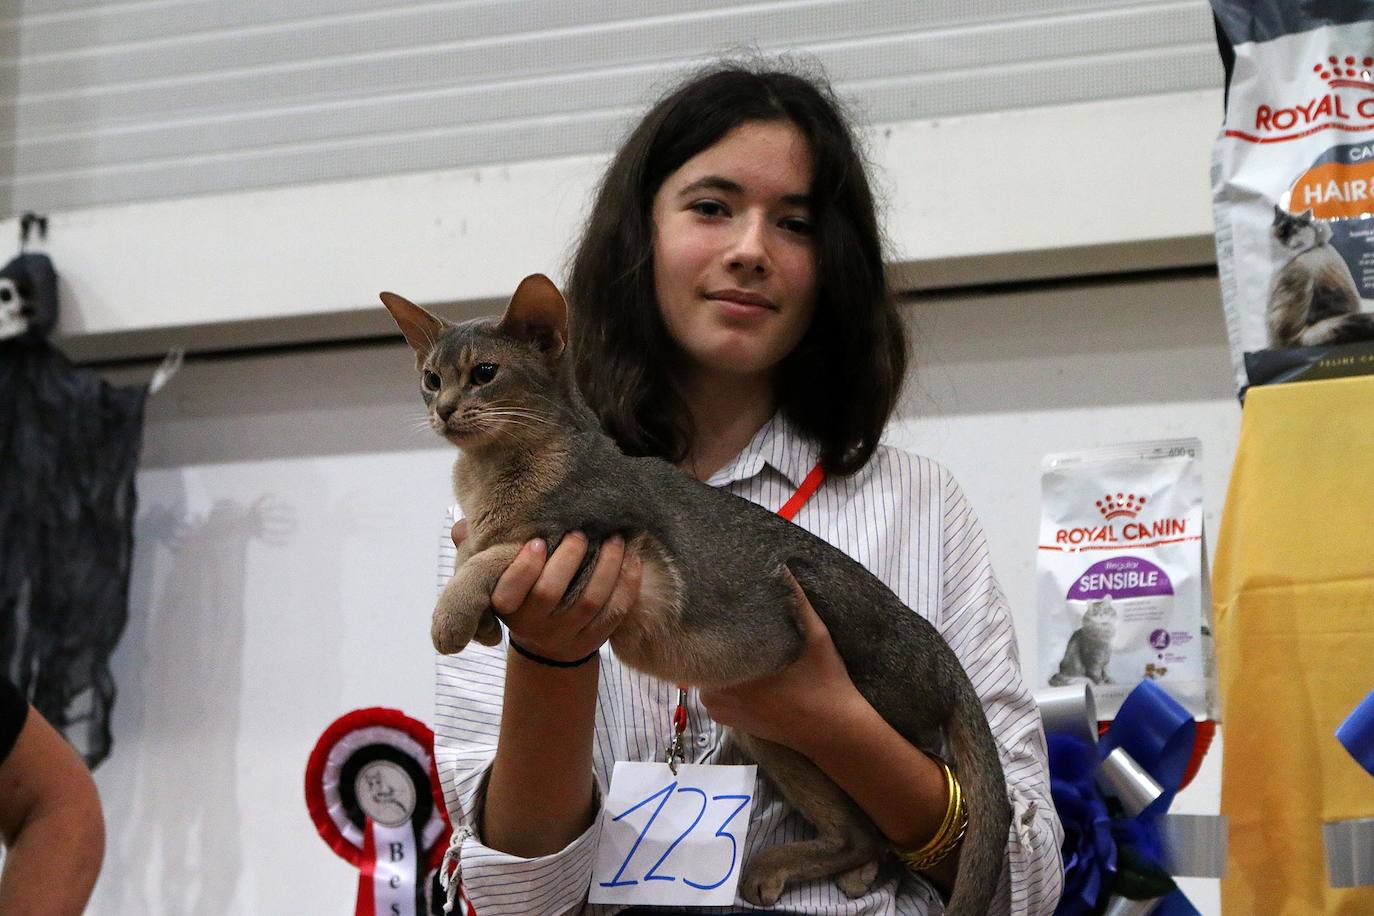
column 464, row 608
column 847, row 845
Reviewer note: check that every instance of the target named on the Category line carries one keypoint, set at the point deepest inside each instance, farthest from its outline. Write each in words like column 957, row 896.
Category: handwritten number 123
column 663, row 795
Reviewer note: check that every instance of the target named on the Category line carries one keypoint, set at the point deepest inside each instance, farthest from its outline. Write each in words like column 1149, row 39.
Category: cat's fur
column 1313, row 299
column 715, row 607
column 1090, row 647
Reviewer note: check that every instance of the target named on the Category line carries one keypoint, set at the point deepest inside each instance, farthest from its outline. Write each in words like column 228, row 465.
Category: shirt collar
column 777, row 444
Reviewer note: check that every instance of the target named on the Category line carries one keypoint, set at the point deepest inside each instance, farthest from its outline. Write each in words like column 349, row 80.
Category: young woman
column 730, row 314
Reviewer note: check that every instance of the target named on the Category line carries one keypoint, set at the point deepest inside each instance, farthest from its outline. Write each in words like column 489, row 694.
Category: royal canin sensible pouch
column 1120, row 576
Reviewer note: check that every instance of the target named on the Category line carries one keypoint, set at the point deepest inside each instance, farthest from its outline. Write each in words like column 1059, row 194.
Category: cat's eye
column 431, row 381
column 483, row 373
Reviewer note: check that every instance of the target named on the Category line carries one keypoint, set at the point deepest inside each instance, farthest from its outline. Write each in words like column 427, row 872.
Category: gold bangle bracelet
column 939, row 855
column 950, row 832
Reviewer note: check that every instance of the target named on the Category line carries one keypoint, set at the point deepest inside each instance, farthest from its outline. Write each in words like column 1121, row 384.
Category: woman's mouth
column 742, row 303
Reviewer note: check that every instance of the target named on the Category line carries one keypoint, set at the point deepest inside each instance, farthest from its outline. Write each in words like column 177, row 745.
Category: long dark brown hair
column 841, row 382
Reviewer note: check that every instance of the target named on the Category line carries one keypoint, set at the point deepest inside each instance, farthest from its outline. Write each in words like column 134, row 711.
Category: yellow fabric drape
column 1294, row 616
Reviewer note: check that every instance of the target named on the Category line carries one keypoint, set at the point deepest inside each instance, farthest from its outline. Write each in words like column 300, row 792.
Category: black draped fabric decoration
column 69, row 446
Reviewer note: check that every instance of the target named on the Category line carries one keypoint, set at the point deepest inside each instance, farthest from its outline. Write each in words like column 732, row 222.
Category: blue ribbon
column 1356, row 733
column 1158, row 734
column 1089, row 849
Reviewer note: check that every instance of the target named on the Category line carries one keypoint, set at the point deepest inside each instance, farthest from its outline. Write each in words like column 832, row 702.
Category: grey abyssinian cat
column 1090, row 647
column 714, row 607
column 1313, row 299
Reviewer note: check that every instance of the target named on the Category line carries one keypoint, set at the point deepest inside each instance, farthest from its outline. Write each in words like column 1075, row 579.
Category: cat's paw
column 761, row 886
column 453, row 627
column 488, row 629
column 857, row 881
column 447, row 639
column 463, row 613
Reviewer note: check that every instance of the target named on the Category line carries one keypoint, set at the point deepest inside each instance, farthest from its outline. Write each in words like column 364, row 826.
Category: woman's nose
column 749, row 249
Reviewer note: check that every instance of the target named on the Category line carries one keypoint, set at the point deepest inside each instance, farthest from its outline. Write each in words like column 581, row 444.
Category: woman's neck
column 725, row 416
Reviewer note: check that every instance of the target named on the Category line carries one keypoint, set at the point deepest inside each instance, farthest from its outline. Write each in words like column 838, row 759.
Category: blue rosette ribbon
column 1111, row 795
column 1356, row 733
column 1089, row 849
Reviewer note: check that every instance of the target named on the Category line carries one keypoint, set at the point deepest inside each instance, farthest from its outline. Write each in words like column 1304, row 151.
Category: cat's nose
column 445, row 410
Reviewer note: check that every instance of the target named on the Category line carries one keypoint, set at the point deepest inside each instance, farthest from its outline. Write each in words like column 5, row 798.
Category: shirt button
column 702, row 740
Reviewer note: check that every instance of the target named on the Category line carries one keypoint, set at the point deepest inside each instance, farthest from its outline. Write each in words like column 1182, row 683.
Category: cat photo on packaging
column 1313, row 299
column 717, row 605
column 1090, row 647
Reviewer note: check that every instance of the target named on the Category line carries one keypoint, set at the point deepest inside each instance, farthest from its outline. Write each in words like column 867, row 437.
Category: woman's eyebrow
column 719, row 183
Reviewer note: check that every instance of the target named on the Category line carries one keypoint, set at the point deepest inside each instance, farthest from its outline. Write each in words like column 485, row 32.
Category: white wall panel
column 1070, row 190
column 105, row 103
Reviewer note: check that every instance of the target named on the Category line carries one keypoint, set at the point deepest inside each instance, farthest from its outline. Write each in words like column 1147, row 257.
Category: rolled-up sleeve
column 976, row 621
column 499, row 883
column 469, row 690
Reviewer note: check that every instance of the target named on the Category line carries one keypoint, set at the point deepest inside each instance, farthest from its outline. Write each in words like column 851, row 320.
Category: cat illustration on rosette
column 1313, row 298
column 1090, row 647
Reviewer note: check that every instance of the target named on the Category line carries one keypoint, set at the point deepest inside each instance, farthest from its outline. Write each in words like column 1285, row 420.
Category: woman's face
column 734, row 258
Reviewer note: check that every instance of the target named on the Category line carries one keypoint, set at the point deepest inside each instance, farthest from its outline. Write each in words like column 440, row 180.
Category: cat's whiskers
column 530, row 418
column 511, row 420
column 422, row 424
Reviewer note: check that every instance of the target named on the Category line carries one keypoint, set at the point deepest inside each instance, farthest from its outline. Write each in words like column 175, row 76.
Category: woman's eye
column 483, row 373
column 709, row 208
column 431, row 381
column 798, row 225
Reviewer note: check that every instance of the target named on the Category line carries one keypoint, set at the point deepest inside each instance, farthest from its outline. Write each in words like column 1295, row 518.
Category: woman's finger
column 622, row 597
column 600, row 583
column 809, row 622
column 552, row 585
column 519, row 578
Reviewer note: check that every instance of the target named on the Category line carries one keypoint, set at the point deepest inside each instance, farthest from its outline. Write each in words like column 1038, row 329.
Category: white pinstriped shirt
column 906, row 520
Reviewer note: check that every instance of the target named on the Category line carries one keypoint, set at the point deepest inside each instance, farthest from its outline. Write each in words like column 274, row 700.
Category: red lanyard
column 788, row 511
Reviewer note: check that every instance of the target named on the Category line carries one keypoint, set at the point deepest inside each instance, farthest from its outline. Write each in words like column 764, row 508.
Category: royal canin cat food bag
column 1293, row 188
column 1121, row 577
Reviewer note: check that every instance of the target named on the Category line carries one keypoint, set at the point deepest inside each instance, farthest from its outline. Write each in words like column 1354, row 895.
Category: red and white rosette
column 373, row 793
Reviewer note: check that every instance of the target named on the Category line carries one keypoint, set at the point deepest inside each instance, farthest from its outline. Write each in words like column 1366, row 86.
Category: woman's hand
column 793, row 706
column 529, row 596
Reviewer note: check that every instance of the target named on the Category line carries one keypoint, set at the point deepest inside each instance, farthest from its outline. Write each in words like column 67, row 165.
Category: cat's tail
column 979, row 769
column 1339, row 329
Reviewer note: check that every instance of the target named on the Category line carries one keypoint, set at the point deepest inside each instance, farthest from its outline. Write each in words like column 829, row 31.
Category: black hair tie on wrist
column 553, row 663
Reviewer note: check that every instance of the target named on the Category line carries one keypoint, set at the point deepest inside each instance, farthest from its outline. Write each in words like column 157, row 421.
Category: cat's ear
column 1279, row 214
column 421, row 329
column 1306, row 214
column 538, row 314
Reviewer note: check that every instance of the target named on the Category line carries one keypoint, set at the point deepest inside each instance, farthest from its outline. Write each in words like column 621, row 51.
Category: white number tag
column 673, row 839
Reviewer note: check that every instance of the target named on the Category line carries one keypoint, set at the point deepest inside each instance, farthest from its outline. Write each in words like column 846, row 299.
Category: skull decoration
column 28, row 297
column 14, row 313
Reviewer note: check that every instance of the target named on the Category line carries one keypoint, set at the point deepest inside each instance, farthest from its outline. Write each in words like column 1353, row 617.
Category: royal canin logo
column 1347, row 102
column 1127, row 504
column 1122, row 505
